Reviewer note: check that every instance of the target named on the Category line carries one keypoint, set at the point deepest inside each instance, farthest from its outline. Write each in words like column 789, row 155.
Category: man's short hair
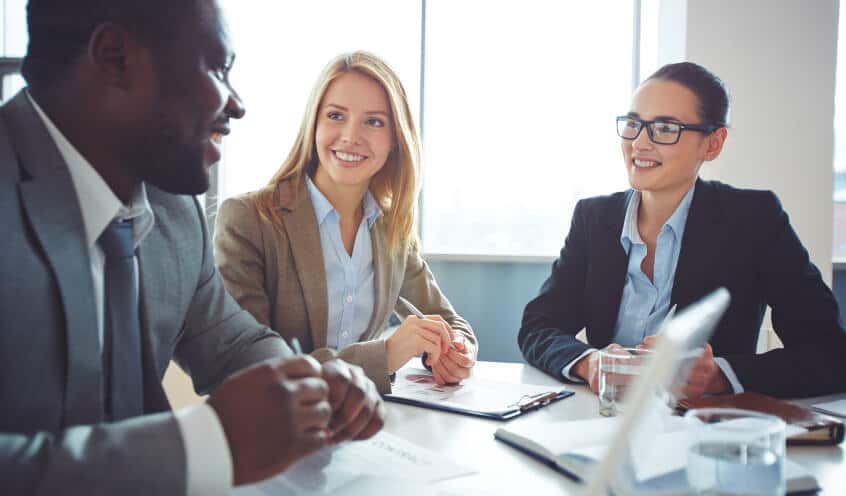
column 59, row 30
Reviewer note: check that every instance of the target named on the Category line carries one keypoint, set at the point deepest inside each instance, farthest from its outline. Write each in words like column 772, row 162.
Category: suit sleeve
column 804, row 314
column 420, row 288
column 220, row 337
column 369, row 355
column 239, row 254
column 552, row 319
column 139, row 456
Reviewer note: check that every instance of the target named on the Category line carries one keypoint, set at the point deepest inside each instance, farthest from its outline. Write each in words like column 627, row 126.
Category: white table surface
column 505, row 470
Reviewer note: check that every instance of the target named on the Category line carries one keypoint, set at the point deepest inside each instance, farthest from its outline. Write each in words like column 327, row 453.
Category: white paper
column 352, row 468
column 837, row 408
column 472, row 394
column 660, row 443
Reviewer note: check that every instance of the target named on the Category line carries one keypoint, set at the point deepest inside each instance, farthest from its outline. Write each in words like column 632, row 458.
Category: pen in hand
column 417, row 313
column 295, row 345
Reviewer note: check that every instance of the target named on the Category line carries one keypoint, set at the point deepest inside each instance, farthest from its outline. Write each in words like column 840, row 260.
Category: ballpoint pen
column 417, row 313
column 295, row 345
column 669, row 317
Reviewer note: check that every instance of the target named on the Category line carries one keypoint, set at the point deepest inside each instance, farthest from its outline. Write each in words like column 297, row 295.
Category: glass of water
column 618, row 367
column 735, row 452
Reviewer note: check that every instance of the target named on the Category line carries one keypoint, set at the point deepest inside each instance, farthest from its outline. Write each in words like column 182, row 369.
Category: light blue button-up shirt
column 645, row 304
column 349, row 279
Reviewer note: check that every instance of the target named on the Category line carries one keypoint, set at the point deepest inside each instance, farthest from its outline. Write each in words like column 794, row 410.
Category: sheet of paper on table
column 361, row 468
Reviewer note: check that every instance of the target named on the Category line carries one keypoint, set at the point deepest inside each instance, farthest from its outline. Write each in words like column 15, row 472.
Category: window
column 12, row 45
column 839, row 231
column 519, row 105
column 519, row 112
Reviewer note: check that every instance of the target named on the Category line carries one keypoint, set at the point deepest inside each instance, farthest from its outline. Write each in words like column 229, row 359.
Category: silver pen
column 411, row 308
column 417, row 313
column 667, row 319
column 295, row 345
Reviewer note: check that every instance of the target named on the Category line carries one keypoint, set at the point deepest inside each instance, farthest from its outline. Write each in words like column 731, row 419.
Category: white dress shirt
column 208, row 460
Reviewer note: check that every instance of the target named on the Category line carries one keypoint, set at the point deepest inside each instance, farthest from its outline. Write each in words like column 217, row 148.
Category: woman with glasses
column 327, row 251
column 673, row 238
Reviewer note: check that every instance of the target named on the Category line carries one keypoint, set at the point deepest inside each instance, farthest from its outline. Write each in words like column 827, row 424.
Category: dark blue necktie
column 121, row 325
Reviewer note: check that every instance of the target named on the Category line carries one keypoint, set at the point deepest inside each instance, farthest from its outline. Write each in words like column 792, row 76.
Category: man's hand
column 705, row 375
column 273, row 414
column 357, row 408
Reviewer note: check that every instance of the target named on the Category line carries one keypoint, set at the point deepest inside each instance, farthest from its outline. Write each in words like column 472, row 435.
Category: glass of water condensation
column 735, row 452
column 618, row 368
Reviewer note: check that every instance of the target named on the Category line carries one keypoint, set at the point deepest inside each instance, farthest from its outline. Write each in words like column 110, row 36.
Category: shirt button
column 345, row 334
column 349, row 298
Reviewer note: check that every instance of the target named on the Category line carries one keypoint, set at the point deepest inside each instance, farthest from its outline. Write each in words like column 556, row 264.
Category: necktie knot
column 117, row 240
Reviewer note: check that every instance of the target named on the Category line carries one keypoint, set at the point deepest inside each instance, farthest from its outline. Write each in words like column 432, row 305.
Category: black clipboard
column 476, row 396
column 523, row 405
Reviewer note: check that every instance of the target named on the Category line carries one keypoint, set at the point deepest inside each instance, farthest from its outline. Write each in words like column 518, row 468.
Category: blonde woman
column 327, row 250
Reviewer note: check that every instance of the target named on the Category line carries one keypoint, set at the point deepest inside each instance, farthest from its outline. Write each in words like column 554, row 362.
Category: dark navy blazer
column 739, row 239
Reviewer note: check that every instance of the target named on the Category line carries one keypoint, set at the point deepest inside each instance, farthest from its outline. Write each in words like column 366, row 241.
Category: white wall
column 777, row 58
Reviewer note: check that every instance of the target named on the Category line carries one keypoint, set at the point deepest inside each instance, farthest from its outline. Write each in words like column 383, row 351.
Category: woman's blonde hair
column 395, row 186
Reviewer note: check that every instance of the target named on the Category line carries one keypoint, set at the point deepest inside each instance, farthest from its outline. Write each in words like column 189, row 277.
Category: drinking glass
column 618, row 367
column 735, row 452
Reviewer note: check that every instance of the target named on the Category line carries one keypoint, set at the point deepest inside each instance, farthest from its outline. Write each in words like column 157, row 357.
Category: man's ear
column 716, row 140
column 113, row 53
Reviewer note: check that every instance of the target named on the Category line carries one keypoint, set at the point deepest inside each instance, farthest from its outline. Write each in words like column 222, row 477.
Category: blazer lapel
column 304, row 237
column 50, row 203
column 159, row 287
column 383, row 290
column 701, row 245
column 608, row 271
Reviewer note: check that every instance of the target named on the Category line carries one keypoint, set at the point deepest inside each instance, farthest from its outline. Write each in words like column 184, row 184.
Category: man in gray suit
column 107, row 273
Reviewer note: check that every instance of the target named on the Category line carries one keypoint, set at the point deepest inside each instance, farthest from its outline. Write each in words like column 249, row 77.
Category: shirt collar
column 97, row 202
column 371, row 209
column 322, row 206
column 676, row 222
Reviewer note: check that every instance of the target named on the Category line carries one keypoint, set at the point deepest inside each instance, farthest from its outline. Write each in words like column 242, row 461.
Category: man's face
column 180, row 135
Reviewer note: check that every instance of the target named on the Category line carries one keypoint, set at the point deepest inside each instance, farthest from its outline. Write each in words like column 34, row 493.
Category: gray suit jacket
column 53, row 439
column 279, row 276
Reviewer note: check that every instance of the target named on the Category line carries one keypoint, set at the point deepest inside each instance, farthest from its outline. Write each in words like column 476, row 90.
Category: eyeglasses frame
column 702, row 128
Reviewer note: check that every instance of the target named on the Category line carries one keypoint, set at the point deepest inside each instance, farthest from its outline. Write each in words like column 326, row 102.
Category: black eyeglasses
column 660, row 132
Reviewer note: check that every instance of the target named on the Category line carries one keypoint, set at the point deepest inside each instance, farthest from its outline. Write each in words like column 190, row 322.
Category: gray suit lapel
column 52, row 208
column 159, row 286
column 304, row 237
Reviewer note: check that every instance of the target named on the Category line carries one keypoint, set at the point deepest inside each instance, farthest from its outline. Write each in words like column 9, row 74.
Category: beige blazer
column 278, row 275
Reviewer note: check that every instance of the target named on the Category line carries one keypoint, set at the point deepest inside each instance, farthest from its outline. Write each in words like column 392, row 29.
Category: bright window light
column 519, row 107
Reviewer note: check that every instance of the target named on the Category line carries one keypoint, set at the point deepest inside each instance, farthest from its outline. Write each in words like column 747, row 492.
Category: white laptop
column 679, row 335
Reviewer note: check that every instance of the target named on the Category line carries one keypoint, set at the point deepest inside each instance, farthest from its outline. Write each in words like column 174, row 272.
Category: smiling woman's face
column 354, row 134
column 665, row 168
